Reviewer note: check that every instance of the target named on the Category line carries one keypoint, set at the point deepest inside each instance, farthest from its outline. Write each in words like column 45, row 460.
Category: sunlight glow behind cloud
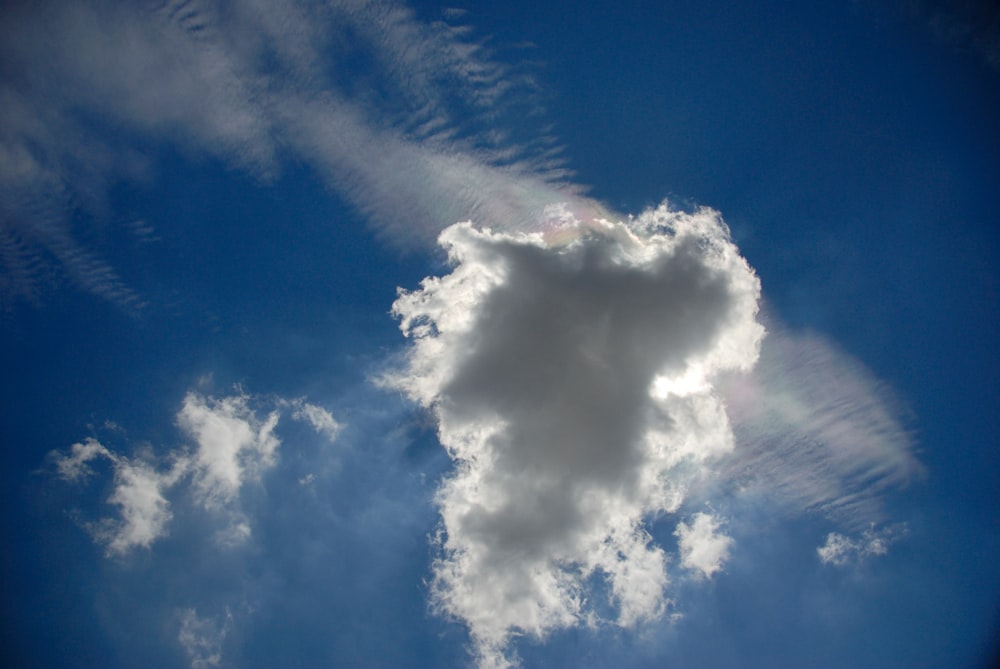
column 540, row 365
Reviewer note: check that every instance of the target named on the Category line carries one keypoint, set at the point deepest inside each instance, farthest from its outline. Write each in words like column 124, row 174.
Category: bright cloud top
column 572, row 387
column 233, row 446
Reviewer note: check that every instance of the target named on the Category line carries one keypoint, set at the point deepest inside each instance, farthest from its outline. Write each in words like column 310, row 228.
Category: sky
column 493, row 335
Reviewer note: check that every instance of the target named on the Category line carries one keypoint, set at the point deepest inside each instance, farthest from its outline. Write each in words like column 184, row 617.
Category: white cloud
column 573, row 371
column 233, row 446
column 702, row 546
column 202, row 638
column 74, row 467
column 544, row 358
column 253, row 83
column 840, row 550
column 817, row 431
column 145, row 512
column 319, row 418
column 138, row 493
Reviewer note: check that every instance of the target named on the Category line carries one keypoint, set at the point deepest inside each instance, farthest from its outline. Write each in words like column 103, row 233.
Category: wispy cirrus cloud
column 817, row 431
column 417, row 135
column 319, row 418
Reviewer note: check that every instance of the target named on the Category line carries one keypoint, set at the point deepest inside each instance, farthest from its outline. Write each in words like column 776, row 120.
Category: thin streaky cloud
column 816, row 430
column 191, row 74
column 319, row 418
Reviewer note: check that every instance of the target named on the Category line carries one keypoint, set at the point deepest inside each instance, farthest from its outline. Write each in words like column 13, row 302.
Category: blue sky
column 709, row 379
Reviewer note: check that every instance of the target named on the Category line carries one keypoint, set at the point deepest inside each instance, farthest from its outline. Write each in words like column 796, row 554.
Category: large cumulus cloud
column 572, row 385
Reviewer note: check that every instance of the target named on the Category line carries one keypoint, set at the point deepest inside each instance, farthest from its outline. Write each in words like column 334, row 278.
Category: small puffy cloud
column 232, row 446
column 202, row 638
column 570, row 373
column 138, row 493
column 145, row 512
column 319, row 418
column 702, row 547
column 74, row 466
column 840, row 550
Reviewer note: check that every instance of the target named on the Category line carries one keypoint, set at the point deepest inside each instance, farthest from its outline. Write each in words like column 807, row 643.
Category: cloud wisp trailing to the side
column 232, row 447
column 416, row 140
column 817, row 431
column 572, row 388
